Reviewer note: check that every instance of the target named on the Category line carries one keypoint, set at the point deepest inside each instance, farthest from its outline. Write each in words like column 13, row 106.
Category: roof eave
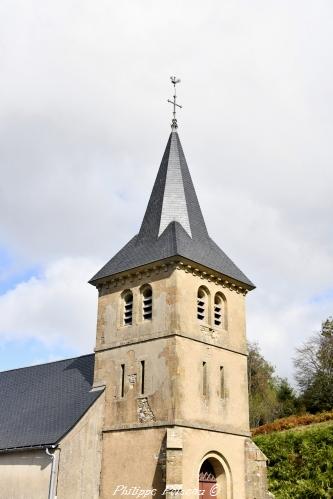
column 28, row 448
column 176, row 259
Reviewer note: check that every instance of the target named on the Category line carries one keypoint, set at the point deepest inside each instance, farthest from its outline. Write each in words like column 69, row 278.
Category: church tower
column 171, row 352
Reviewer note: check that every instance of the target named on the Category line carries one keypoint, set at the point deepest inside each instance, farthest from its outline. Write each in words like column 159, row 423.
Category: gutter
column 54, row 471
column 6, row 450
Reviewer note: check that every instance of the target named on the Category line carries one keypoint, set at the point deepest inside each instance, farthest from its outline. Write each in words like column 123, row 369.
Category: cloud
column 281, row 323
column 84, row 121
column 58, row 308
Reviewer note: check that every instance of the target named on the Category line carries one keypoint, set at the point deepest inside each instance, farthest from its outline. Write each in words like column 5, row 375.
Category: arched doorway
column 214, row 477
column 207, row 480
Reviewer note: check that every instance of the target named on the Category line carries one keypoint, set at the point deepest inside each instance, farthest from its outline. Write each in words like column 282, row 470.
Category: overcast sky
column 83, row 125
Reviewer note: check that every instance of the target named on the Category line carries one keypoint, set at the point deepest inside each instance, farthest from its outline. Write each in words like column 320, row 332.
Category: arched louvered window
column 220, row 311
column 202, row 304
column 127, row 308
column 147, row 302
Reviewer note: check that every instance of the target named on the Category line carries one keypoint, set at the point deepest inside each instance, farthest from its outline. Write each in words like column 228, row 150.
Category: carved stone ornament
column 145, row 414
column 132, row 379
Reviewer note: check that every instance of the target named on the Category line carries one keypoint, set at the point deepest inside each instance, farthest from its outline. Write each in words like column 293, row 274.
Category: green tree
column 270, row 397
column 288, row 401
column 263, row 400
column 314, row 369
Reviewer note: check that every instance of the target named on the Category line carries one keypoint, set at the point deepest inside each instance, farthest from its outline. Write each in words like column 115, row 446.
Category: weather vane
column 174, row 82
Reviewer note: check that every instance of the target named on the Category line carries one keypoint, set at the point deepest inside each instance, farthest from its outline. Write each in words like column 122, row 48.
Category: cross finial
column 174, row 82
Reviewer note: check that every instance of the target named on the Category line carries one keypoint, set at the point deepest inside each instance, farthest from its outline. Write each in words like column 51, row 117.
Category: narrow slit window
column 218, row 310
column 222, row 393
column 128, row 308
column 142, row 377
column 204, row 379
column 202, row 305
column 147, row 303
column 122, row 380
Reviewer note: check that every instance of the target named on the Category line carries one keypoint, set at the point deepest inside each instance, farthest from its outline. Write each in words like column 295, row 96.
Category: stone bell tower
column 171, row 352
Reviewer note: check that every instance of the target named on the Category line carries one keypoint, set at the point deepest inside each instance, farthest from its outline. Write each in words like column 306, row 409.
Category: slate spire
column 173, row 198
column 173, row 225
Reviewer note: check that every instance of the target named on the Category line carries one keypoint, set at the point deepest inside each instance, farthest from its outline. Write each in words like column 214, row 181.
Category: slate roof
column 173, row 225
column 40, row 404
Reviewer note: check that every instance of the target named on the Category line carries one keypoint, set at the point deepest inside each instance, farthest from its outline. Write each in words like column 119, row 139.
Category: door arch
column 215, row 477
column 207, row 480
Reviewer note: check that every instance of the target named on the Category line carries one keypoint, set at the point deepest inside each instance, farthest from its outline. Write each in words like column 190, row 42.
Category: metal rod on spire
column 174, row 81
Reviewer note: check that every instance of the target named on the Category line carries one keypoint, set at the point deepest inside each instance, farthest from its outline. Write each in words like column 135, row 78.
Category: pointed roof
column 173, row 224
column 173, row 198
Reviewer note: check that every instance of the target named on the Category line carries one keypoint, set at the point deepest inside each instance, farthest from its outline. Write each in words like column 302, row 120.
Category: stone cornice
column 163, row 335
column 212, row 276
column 157, row 269
column 229, row 430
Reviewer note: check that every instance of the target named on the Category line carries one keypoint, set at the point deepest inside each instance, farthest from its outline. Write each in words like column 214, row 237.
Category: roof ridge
column 46, row 363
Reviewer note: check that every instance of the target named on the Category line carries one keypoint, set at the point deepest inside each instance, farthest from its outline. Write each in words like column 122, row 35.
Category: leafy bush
column 292, row 422
column 300, row 462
